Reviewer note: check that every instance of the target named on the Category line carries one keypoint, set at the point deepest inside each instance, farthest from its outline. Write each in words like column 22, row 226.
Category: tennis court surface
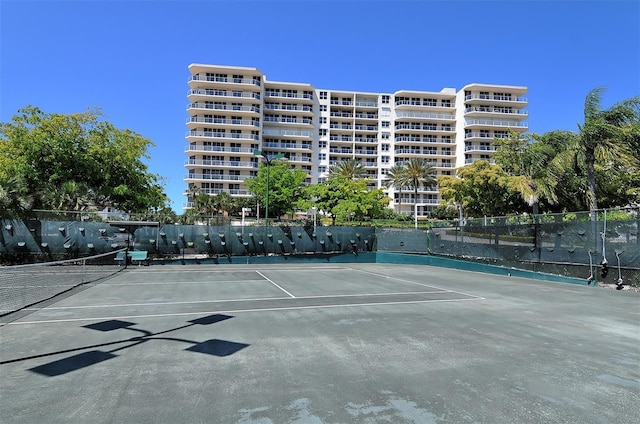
column 323, row 343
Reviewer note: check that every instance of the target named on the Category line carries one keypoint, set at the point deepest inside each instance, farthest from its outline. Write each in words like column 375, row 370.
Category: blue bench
column 138, row 256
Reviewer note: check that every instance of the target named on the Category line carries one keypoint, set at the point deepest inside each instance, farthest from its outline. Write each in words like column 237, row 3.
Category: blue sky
column 130, row 58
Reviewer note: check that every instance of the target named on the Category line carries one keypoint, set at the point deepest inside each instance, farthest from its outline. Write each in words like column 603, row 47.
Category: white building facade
column 233, row 111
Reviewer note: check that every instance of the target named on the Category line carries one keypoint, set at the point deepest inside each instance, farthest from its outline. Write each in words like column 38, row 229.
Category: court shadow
column 217, row 347
column 72, row 363
column 110, row 325
column 213, row 347
column 211, row 319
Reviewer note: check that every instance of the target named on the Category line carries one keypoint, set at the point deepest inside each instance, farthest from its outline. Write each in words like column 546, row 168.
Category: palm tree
column 604, row 135
column 528, row 162
column 224, row 202
column 397, row 177
column 349, row 168
column 419, row 173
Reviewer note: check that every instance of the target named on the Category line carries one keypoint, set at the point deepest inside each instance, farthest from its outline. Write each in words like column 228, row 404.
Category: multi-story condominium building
column 234, row 111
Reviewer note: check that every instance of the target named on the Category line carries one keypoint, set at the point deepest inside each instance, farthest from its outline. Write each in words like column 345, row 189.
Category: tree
column 419, row 173
column 528, row 163
column 285, row 187
column 397, row 177
column 76, row 161
column 346, row 199
column 607, row 135
column 482, row 189
column 350, row 168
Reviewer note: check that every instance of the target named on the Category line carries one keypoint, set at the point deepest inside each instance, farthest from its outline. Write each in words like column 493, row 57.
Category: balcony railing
column 233, row 108
column 365, row 140
column 425, row 115
column 366, row 127
column 208, row 78
column 269, row 93
column 489, row 122
column 201, row 148
column 290, row 133
column 302, row 108
column 494, row 110
column 341, row 151
column 287, row 146
column 367, row 104
column 422, row 103
column 498, row 98
column 233, row 163
column 207, row 134
column 215, row 177
column 223, row 121
column 366, row 116
column 225, row 93
column 480, row 148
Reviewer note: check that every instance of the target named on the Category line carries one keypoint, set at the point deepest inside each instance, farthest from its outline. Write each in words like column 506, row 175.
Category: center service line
column 271, row 281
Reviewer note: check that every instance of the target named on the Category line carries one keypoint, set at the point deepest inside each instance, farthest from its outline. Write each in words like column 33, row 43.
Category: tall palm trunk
column 590, row 160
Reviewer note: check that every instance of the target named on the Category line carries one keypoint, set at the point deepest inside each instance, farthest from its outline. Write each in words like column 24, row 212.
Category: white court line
column 228, row 311
column 231, row 270
column 271, row 281
column 413, row 282
column 247, row 299
column 133, row 283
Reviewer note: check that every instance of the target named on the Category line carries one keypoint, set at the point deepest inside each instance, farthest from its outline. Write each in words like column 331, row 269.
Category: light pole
column 266, row 207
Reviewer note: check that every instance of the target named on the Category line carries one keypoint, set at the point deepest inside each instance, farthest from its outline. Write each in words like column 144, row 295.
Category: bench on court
column 138, row 256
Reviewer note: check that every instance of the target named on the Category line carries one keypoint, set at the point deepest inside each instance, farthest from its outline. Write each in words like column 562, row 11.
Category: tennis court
column 322, row 343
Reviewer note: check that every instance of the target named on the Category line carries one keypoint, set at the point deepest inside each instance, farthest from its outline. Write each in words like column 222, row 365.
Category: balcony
column 496, row 99
column 365, row 139
column 215, row 177
column 288, row 146
column 219, row 121
column 204, row 148
column 492, row 123
column 223, row 163
column 373, row 116
column 271, row 93
column 286, row 121
column 232, row 108
column 213, row 134
column 425, row 115
column 234, row 81
column 288, row 108
column 287, row 133
column 489, row 110
column 359, row 127
column 366, row 104
column 366, row 152
column 480, row 148
column 223, row 93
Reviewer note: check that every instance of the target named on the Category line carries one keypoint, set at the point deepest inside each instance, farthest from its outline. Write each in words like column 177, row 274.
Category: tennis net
column 22, row 286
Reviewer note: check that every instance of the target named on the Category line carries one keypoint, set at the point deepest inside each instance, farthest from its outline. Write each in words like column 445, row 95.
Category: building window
column 323, row 95
column 386, row 136
column 384, row 159
column 385, row 147
column 385, row 99
column 322, row 156
column 386, row 124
